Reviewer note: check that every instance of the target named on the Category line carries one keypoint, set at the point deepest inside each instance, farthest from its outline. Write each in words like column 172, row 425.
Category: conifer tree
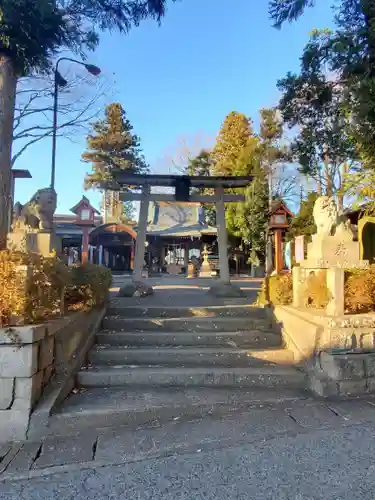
column 233, row 137
column 112, row 145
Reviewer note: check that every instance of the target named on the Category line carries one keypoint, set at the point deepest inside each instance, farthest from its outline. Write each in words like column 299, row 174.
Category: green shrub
column 90, row 285
column 360, row 290
column 277, row 290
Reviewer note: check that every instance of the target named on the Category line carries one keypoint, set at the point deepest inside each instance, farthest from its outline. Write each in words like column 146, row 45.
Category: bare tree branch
column 79, row 103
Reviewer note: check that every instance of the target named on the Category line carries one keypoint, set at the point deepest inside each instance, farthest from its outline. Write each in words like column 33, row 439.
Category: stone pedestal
column 192, row 270
column 336, row 285
column 331, row 251
column 205, row 270
column 297, row 281
column 226, row 290
column 334, row 254
column 42, row 243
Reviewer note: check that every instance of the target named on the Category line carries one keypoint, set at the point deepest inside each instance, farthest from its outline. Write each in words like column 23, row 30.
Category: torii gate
column 182, row 185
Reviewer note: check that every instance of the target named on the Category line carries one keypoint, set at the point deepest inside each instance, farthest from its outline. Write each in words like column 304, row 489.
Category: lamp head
column 92, row 69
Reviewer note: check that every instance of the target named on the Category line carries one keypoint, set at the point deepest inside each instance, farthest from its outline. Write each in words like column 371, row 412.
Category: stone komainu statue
column 327, row 220
column 36, row 214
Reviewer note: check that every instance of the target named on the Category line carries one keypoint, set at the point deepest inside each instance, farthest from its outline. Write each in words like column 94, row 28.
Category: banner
column 299, row 249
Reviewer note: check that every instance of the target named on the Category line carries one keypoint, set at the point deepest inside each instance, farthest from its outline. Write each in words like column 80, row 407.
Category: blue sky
column 181, row 80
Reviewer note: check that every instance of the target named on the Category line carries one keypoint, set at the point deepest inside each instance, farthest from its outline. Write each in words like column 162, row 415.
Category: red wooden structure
column 278, row 226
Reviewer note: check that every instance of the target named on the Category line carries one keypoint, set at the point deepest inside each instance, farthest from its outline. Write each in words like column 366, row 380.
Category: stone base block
column 27, row 392
column 226, row 290
column 345, row 366
column 46, row 352
column 42, row 243
column 13, row 425
column 328, row 388
column 6, row 392
column 136, row 289
column 18, row 361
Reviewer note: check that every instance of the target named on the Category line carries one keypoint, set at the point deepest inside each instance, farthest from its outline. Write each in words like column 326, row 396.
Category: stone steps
column 143, row 377
column 153, row 312
column 241, row 339
column 187, row 324
column 109, row 407
column 154, row 362
column 181, row 357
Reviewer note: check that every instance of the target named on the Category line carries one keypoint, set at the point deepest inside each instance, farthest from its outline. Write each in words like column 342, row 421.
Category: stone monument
column 32, row 226
column 205, row 270
column 332, row 248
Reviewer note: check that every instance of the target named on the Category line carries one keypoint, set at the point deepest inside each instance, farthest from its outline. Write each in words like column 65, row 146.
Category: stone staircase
column 154, row 363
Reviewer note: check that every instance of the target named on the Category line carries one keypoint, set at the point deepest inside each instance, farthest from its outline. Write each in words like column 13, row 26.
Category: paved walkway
column 253, row 439
column 178, row 291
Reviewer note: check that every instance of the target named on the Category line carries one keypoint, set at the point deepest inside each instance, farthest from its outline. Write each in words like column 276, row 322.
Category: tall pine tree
column 203, row 165
column 112, row 145
column 233, row 137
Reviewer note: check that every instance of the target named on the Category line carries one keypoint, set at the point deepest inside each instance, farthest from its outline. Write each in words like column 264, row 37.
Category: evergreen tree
column 231, row 140
column 247, row 220
column 112, row 145
column 203, row 165
column 303, row 222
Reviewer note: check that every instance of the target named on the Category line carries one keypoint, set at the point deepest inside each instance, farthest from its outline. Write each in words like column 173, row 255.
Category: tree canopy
column 112, row 145
column 230, row 142
column 303, row 222
column 348, row 53
column 323, row 145
column 32, row 31
column 203, row 165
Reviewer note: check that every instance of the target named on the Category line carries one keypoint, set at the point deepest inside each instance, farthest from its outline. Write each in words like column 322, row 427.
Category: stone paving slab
column 260, row 424
column 122, row 445
column 354, row 411
column 313, row 415
column 25, row 458
column 65, row 451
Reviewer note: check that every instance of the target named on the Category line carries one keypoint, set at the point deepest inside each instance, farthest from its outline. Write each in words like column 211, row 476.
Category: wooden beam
column 194, row 198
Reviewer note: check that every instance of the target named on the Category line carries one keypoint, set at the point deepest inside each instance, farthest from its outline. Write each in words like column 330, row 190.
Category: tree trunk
column 8, row 84
column 319, row 185
column 327, row 174
column 340, row 194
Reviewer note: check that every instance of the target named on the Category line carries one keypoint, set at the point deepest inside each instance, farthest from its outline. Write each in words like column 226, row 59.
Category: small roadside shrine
column 182, row 186
column 277, row 228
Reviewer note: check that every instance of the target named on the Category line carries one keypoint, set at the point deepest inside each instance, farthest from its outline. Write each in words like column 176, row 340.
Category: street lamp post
column 61, row 82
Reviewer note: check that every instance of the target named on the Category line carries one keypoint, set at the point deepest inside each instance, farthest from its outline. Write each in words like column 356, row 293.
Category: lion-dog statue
column 37, row 214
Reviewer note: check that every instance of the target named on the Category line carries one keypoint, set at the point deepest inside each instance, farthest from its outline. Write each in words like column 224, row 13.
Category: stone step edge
column 249, row 371
column 73, row 423
column 190, row 349
column 217, row 333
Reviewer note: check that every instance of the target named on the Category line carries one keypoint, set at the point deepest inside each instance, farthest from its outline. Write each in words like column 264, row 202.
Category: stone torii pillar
column 222, row 236
column 224, row 287
column 140, row 244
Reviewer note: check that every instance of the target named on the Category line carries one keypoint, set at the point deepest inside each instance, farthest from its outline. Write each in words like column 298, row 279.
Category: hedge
column 35, row 288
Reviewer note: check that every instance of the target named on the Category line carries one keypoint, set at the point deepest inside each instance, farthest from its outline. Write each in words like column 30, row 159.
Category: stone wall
column 338, row 353
column 343, row 373
column 30, row 356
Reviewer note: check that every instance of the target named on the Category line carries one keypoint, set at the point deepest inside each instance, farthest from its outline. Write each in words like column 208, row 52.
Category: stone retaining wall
column 343, row 373
column 30, row 356
column 337, row 352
